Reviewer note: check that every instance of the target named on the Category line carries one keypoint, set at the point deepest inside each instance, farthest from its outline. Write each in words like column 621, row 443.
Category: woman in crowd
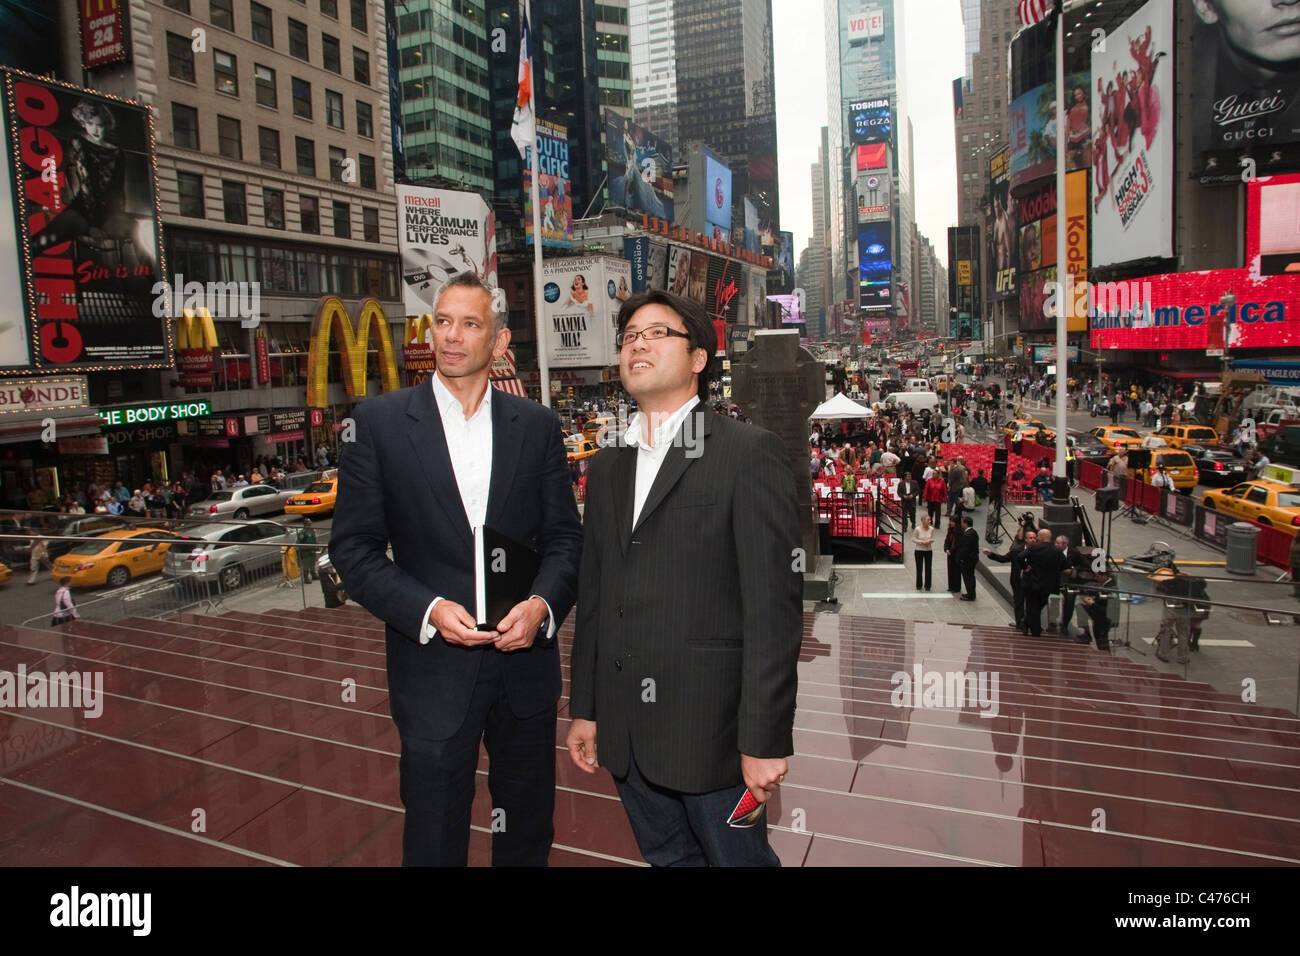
column 923, row 548
column 935, row 494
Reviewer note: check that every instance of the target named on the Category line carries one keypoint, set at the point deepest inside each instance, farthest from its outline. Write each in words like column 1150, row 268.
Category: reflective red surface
column 255, row 739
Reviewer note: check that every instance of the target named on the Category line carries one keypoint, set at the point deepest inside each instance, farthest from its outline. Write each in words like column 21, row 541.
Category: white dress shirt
column 469, row 445
column 649, row 458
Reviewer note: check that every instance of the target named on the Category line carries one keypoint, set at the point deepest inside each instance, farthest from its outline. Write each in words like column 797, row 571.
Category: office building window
column 189, row 187
column 305, row 150
column 260, row 18
column 234, row 202
column 309, row 213
column 225, row 72
column 366, row 170
column 182, row 5
column 301, row 98
column 337, row 156
column 185, row 126
column 370, row 224
column 229, row 141
column 365, row 120
column 333, row 109
column 273, row 208
column 342, row 220
column 360, row 65
column 298, row 39
column 359, row 15
column 330, row 8
column 268, row 146
column 222, row 13
column 264, row 80
column 180, row 58
column 331, row 58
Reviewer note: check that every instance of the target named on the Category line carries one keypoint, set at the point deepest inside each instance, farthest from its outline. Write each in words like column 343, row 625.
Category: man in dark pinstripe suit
column 689, row 604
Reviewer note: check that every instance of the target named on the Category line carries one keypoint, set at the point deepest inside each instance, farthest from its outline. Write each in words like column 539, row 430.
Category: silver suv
column 223, row 553
column 241, row 503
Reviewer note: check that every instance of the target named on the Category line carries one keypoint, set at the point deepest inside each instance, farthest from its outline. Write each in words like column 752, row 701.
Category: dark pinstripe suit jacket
column 688, row 625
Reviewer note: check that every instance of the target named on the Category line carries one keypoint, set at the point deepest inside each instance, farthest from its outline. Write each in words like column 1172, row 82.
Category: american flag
column 1035, row 11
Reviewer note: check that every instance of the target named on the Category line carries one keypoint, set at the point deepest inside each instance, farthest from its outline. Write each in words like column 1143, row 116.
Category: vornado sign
column 332, row 317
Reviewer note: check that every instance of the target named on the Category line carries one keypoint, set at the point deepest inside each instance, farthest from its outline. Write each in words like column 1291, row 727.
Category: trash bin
column 1242, row 542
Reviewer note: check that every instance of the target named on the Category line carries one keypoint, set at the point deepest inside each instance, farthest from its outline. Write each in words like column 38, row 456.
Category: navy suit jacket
column 397, row 486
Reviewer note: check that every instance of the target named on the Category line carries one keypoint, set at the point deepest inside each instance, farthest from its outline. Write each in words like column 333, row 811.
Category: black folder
column 504, row 571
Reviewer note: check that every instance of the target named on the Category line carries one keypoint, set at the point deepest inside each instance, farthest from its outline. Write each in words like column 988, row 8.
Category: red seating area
column 981, row 457
column 240, row 714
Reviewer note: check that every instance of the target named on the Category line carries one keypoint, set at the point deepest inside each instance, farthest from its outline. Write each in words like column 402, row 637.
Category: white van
column 915, row 385
column 916, row 401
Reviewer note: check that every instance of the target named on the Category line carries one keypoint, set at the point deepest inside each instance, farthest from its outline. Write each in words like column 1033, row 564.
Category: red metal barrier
column 1273, row 547
column 1091, row 475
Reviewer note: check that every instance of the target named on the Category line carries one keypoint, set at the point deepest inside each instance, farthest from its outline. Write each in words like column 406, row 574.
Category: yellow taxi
column 1178, row 465
column 5, row 572
column 592, row 429
column 1116, row 436
column 576, row 448
column 113, row 558
column 1176, row 436
column 316, row 499
column 1023, row 425
column 1264, row 500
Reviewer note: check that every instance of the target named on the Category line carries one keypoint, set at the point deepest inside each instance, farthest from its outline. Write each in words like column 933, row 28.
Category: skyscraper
column 726, row 92
column 869, row 146
column 654, row 66
column 979, row 100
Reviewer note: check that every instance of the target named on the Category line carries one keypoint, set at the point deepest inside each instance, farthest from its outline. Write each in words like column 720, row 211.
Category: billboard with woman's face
column 89, row 235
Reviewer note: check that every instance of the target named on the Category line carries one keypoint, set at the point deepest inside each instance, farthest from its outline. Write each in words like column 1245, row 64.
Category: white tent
column 841, row 406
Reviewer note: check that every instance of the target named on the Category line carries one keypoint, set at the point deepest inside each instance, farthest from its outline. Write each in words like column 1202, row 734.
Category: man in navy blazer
column 429, row 464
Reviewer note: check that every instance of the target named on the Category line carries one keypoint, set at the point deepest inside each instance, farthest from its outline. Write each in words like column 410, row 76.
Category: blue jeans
column 690, row 829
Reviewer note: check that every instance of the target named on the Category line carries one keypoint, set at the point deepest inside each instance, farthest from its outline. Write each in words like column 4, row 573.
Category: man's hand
column 518, row 629
column 457, row 626
column 762, row 775
column 582, row 744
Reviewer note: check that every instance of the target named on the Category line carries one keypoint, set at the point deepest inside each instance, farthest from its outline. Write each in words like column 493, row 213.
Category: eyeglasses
column 651, row 334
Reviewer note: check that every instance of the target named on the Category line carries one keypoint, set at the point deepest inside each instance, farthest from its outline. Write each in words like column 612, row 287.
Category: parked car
column 114, row 558
column 1178, row 465
column 1263, row 500
column 81, row 526
column 245, row 502
column 1283, row 446
column 1178, row 436
column 225, row 554
column 316, row 499
column 1217, row 465
column 1088, row 448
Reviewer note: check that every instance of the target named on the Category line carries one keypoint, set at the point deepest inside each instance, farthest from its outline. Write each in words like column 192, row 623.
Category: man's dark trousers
column 438, row 779
column 689, row 829
column 968, row 577
column 1035, row 601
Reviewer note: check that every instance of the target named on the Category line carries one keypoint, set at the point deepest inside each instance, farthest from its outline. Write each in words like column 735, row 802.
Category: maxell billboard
column 440, row 233
column 81, row 168
column 1133, row 138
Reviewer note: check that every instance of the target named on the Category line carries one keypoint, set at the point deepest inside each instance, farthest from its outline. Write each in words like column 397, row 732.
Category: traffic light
column 1020, row 342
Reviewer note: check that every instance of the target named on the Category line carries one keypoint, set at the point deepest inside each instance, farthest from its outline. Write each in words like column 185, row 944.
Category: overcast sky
column 935, row 57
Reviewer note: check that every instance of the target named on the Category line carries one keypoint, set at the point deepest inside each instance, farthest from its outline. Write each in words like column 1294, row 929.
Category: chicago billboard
column 640, row 168
column 81, row 168
column 1133, row 138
